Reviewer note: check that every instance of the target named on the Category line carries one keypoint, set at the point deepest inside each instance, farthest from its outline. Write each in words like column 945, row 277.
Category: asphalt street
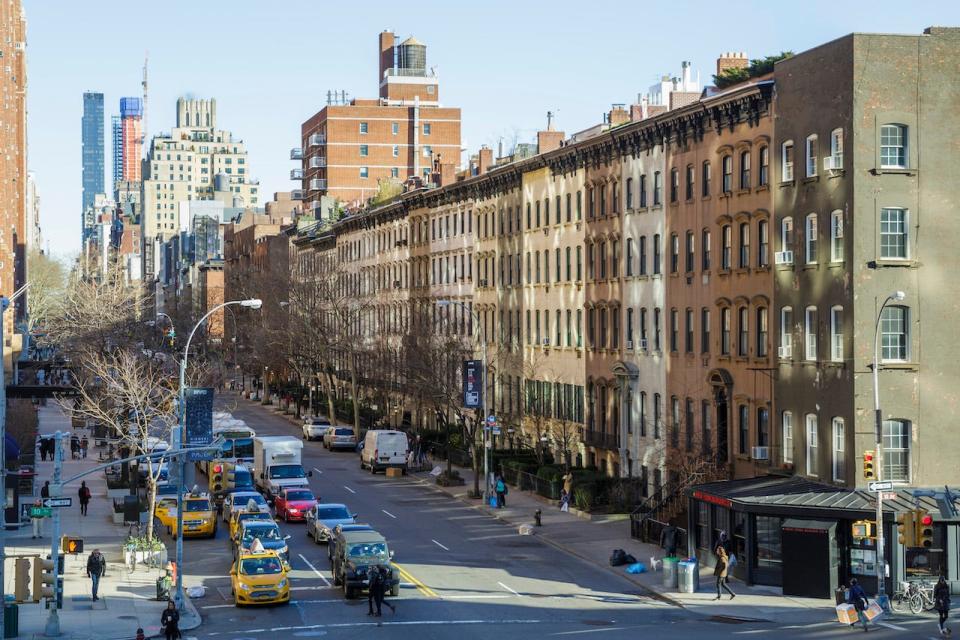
column 465, row 574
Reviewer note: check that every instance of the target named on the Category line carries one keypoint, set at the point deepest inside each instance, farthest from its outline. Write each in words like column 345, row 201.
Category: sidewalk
column 127, row 600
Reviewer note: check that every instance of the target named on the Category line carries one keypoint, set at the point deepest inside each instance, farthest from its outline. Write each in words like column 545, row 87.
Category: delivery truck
column 276, row 464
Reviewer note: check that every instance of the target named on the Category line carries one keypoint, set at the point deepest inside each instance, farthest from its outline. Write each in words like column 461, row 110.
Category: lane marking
column 315, row 570
column 390, row 514
column 349, row 489
column 422, row 588
column 892, row 626
column 509, row 589
column 572, row 633
column 439, row 545
column 476, row 596
column 392, row 623
column 501, row 535
column 318, row 470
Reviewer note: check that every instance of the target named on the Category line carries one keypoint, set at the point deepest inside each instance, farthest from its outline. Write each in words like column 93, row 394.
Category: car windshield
column 261, row 533
column 243, row 448
column 196, row 505
column 259, row 566
column 332, row 513
column 242, row 478
column 242, row 500
column 260, row 515
column 281, row 471
column 369, row 550
column 344, row 432
column 319, row 422
column 300, row 495
column 167, row 504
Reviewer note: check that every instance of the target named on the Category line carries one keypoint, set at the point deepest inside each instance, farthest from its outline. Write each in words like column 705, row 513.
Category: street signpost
column 40, row 512
column 472, row 384
column 880, row 485
column 57, row 503
column 199, row 421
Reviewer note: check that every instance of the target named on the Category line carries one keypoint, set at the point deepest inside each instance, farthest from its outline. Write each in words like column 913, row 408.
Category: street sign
column 472, row 384
column 889, row 496
column 880, row 485
column 57, row 503
column 199, row 421
column 491, row 419
column 495, row 431
column 40, row 512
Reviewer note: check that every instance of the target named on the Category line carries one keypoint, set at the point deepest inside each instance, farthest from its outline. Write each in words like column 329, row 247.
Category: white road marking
column 571, row 633
column 217, row 606
column 395, row 623
column 439, row 545
column 315, row 570
column 476, row 596
column 389, row 514
column 349, row 489
column 509, row 589
column 501, row 535
column 892, row 626
column 318, row 471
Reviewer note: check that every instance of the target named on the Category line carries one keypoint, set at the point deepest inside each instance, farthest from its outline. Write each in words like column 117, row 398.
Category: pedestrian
column 501, row 489
column 43, row 448
column 74, row 447
column 170, row 621
column 37, row 521
column 382, row 590
column 140, row 634
column 84, row 443
column 564, row 501
column 720, row 571
column 724, row 541
column 45, row 490
column 858, row 598
column 96, row 567
column 668, row 540
column 374, row 579
column 941, row 598
column 84, row 494
column 568, row 482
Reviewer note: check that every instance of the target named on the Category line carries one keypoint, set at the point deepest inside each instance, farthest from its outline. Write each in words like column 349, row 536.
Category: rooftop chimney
column 618, row 115
column 484, row 160
column 732, row 60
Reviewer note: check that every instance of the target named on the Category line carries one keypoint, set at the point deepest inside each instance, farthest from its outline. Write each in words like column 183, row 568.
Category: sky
column 270, row 65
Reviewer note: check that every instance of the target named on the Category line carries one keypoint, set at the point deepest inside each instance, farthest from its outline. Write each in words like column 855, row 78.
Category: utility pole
column 56, row 489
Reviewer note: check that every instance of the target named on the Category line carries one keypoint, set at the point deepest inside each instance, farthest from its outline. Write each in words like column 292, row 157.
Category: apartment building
column 347, row 149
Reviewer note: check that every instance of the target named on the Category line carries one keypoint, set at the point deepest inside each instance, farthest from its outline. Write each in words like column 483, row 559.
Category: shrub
column 550, row 473
column 583, row 497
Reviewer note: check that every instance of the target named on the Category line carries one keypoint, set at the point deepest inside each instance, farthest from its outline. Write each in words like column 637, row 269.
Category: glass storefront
column 768, row 542
column 928, row 563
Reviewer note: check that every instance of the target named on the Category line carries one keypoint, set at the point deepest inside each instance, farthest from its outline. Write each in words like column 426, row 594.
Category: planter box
column 118, row 517
column 157, row 558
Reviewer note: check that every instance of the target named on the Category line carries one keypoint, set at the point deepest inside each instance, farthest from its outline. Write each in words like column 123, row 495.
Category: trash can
column 688, row 577
column 163, row 587
column 670, row 572
column 11, row 620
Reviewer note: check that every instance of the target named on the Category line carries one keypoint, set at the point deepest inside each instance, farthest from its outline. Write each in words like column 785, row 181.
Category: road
column 466, row 575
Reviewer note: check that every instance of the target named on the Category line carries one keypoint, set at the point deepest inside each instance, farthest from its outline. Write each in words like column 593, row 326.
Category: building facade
column 92, row 137
column 131, row 139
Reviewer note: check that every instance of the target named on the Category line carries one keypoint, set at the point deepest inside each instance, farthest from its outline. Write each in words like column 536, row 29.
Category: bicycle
column 922, row 598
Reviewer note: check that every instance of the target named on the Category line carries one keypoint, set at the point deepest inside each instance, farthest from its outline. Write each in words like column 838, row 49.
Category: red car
column 293, row 504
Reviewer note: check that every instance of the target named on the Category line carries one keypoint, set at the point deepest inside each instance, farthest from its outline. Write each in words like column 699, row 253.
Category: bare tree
column 47, row 281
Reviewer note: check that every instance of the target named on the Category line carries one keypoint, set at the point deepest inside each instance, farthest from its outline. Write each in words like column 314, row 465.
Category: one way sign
column 57, row 502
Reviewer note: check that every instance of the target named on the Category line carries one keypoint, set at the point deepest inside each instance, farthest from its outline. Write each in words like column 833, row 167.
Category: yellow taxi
column 259, row 576
column 199, row 519
column 165, row 512
column 237, row 518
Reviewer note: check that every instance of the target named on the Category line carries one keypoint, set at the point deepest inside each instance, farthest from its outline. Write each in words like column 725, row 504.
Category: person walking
column 381, row 596
column 564, row 501
column 374, row 596
column 170, row 621
column 668, row 540
column 37, row 521
column 941, row 599
column 96, row 567
column 858, row 598
column 74, row 447
column 500, row 487
column 568, row 483
column 720, row 571
column 84, row 443
column 45, row 490
column 84, row 494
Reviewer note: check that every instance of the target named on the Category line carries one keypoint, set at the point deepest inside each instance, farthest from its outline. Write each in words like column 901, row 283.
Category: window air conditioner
column 783, row 257
column 643, row 344
column 760, row 453
column 545, row 342
column 833, row 163
column 396, row 284
column 629, row 345
column 482, row 283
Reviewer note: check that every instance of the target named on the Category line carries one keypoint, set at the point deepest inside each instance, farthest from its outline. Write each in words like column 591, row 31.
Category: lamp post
column 483, row 395
column 896, row 296
column 179, row 434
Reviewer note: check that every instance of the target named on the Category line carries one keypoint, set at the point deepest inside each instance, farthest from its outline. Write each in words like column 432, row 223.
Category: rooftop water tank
column 412, row 55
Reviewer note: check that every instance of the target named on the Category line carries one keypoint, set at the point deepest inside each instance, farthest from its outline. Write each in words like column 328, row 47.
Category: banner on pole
column 472, row 384
column 198, row 414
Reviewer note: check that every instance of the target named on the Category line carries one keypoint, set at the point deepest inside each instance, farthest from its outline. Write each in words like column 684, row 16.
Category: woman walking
column 720, row 571
column 941, row 597
column 84, row 495
column 170, row 621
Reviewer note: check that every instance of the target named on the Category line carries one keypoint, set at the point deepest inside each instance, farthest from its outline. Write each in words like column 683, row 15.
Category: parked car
column 324, row 516
column 294, row 503
column 383, row 449
column 356, row 552
column 340, row 438
column 315, row 427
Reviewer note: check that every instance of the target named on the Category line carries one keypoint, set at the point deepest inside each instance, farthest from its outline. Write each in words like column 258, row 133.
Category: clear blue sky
column 270, row 64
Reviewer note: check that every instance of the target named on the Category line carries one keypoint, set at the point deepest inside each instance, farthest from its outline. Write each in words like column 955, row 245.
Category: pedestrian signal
column 924, row 529
column 21, row 589
column 71, row 545
column 906, row 528
column 868, row 471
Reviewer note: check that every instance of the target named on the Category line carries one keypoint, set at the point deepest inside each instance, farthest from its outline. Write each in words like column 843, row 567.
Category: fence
column 649, row 530
column 524, row 481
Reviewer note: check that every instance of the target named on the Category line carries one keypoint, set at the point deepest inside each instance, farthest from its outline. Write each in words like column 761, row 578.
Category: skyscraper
column 131, row 132
column 93, row 154
column 116, row 137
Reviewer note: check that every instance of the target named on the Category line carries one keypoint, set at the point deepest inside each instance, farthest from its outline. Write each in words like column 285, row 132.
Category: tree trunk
column 331, row 406
column 353, row 393
column 446, row 433
column 476, row 463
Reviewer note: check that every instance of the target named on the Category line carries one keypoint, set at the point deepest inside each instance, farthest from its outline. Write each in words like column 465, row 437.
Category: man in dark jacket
column 374, row 581
column 941, row 599
column 858, row 598
column 668, row 540
column 96, row 568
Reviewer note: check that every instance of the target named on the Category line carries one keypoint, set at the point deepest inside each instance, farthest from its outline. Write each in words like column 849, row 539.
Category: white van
column 382, row 449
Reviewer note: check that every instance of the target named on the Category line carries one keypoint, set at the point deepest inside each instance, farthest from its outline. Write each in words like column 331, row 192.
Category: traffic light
column 217, row 477
column 231, row 477
column 924, row 529
column 71, row 545
column 44, row 579
column 21, row 589
column 868, row 471
column 907, row 529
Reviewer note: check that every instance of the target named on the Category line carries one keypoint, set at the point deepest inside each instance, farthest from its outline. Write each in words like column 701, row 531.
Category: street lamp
column 896, row 296
column 483, row 390
column 178, row 435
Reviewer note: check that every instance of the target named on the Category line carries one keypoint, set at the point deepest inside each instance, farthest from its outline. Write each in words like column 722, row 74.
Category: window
column 603, row 198
column 643, row 328
column 656, row 329
column 725, row 331
column 896, row 450
column 538, row 214
column 395, row 128
column 569, row 207
column 603, row 260
column 786, row 428
column 811, row 237
column 743, row 322
column 704, row 330
column 657, row 188
column 688, row 342
column 675, row 421
column 744, row 239
column 836, row 334
column 836, row 236
column 811, row 444
column 643, row 191
column 396, row 151
column 569, row 333
column 426, row 128
column 786, row 161
column 726, row 234
column 764, row 166
column 894, row 336
column 727, row 170
column 674, row 329
column 615, row 328
column 705, row 175
column 579, row 263
column 557, row 263
column 674, row 252
column 674, row 184
column 629, row 328
column 705, row 437
column 364, row 172
column 839, row 468
column 689, row 182
column 811, row 149
column 579, row 205
column 643, row 255
column 615, row 259
column 763, row 243
column 363, row 128
column 763, row 427
column 836, row 148
column 689, row 419
column 656, row 254
column 786, row 332
column 364, row 151
column 894, row 234
column 810, row 334
column 591, row 200
column 893, row 146
column 691, row 252
column 762, row 332
column 628, row 258
column 743, row 428
column 786, row 234
column 745, row 170
column 603, row 328
column 628, row 195
column 657, row 413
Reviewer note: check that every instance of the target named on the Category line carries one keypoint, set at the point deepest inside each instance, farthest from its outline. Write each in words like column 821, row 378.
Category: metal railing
column 650, row 530
column 317, row 139
column 296, row 153
column 524, row 481
column 296, row 174
column 318, row 184
column 318, row 161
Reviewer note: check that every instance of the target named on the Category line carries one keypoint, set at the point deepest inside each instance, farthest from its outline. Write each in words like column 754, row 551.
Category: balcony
column 318, row 184
column 296, row 153
column 317, row 139
column 600, row 440
column 296, row 194
column 318, row 161
column 296, row 174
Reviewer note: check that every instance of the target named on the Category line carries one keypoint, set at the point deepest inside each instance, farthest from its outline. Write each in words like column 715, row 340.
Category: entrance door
column 722, row 426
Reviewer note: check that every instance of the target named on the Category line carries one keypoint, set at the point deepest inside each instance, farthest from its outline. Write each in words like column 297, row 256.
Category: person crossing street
column 941, row 598
column 96, row 568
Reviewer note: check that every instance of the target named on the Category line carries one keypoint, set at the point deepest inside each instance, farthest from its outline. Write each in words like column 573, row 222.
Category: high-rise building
column 349, row 148
column 131, row 138
column 116, row 137
column 93, row 154
column 195, row 161
column 32, row 223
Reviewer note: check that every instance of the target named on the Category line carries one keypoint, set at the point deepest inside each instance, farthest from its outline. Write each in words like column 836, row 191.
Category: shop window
column 931, row 562
column 768, row 542
column 703, row 525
